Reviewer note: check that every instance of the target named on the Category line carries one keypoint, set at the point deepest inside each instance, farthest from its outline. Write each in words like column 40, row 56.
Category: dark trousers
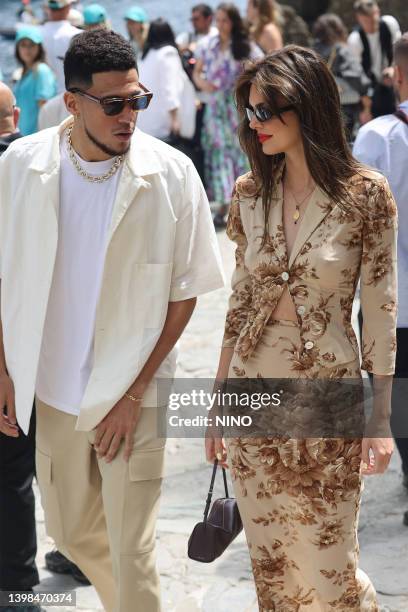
column 399, row 419
column 18, row 541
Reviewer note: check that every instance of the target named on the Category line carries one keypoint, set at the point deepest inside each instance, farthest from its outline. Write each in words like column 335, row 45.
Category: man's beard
column 104, row 147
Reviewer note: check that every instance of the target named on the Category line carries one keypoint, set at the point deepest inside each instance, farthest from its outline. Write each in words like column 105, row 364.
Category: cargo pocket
column 49, row 497
column 147, row 464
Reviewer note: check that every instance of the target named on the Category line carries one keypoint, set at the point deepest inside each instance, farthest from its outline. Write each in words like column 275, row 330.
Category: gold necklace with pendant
column 296, row 214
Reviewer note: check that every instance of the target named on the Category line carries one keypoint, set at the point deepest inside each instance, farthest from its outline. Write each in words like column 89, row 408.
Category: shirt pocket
column 152, row 291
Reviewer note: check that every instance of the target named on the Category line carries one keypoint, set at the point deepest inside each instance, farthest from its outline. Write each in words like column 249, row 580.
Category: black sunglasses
column 114, row 105
column 262, row 113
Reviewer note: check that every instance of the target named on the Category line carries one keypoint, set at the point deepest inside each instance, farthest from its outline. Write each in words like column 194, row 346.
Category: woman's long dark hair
column 160, row 35
column 240, row 43
column 300, row 77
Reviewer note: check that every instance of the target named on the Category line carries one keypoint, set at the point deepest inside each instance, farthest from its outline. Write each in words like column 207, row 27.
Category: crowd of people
column 233, row 95
column 193, row 74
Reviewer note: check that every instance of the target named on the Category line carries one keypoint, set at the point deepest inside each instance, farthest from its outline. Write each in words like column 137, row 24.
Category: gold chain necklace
column 296, row 214
column 91, row 177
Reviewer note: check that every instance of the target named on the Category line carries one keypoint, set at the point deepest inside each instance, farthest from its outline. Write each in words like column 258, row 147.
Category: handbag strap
column 211, row 489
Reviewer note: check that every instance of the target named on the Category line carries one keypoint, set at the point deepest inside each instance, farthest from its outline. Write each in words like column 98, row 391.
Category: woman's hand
column 376, row 461
column 215, row 447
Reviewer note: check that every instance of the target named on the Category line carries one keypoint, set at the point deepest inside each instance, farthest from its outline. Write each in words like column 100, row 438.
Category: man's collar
column 141, row 159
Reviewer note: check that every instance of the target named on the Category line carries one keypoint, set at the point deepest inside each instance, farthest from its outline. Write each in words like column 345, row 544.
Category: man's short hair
column 401, row 51
column 365, row 7
column 205, row 10
column 96, row 51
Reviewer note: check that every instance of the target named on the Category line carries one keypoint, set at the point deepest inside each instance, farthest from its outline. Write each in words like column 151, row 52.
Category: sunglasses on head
column 262, row 113
column 114, row 105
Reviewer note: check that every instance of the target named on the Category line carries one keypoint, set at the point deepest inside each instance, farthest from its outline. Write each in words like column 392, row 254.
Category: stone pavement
column 226, row 585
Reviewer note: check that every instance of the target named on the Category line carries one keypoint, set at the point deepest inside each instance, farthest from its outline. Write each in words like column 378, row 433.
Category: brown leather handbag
column 219, row 528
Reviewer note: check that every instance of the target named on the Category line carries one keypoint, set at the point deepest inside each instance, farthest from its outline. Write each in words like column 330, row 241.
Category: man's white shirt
column 57, row 36
column 383, row 145
column 378, row 61
column 160, row 247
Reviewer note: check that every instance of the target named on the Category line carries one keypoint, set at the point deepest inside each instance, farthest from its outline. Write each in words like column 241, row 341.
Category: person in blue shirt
column 37, row 83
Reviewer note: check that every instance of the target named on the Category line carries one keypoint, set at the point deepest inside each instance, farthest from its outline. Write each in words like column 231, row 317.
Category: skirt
column 299, row 500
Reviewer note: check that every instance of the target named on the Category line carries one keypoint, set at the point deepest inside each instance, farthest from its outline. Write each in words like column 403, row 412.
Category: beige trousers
column 103, row 516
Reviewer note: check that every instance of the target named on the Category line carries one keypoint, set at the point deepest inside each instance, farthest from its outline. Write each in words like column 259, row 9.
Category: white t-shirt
column 57, row 37
column 185, row 39
column 52, row 113
column 162, row 73
column 67, row 345
column 378, row 62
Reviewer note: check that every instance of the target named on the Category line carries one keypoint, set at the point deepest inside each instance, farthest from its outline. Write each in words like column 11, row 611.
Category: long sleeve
column 379, row 280
column 240, row 299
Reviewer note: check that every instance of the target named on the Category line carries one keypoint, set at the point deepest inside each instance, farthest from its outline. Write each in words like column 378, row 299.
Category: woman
column 331, row 42
column 262, row 15
column 161, row 70
column 36, row 82
column 220, row 60
column 307, row 221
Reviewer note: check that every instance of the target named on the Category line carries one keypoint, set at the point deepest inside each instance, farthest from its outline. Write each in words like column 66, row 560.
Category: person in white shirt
column 161, row 70
column 372, row 44
column 52, row 113
column 100, row 268
column 202, row 16
column 383, row 144
column 57, row 34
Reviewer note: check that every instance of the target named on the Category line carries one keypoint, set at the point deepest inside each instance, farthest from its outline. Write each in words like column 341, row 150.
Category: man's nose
column 128, row 115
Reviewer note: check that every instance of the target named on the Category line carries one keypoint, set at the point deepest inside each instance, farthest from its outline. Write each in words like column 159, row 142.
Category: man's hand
column 120, row 423
column 8, row 421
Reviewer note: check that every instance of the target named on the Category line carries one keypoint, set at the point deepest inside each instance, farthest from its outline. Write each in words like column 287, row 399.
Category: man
column 57, row 34
column 137, row 26
column 383, row 144
column 202, row 16
column 101, row 266
column 372, row 44
column 18, row 543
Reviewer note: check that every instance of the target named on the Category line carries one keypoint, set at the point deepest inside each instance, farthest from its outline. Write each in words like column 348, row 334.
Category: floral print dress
column 299, row 497
column 223, row 156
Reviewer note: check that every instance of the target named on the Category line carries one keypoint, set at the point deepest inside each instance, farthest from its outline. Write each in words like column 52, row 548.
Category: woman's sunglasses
column 262, row 113
column 114, row 105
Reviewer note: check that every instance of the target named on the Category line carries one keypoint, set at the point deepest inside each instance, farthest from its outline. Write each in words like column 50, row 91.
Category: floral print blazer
column 335, row 247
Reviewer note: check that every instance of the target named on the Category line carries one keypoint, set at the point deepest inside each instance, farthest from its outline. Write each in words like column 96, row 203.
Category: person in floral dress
column 308, row 222
column 219, row 61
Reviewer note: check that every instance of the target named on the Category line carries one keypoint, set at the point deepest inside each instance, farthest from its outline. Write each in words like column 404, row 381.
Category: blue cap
column 31, row 33
column 94, row 14
column 136, row 13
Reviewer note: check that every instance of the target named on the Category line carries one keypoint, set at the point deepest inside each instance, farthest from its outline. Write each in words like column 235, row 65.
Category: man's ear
column 71, row 103
column 16, row 116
